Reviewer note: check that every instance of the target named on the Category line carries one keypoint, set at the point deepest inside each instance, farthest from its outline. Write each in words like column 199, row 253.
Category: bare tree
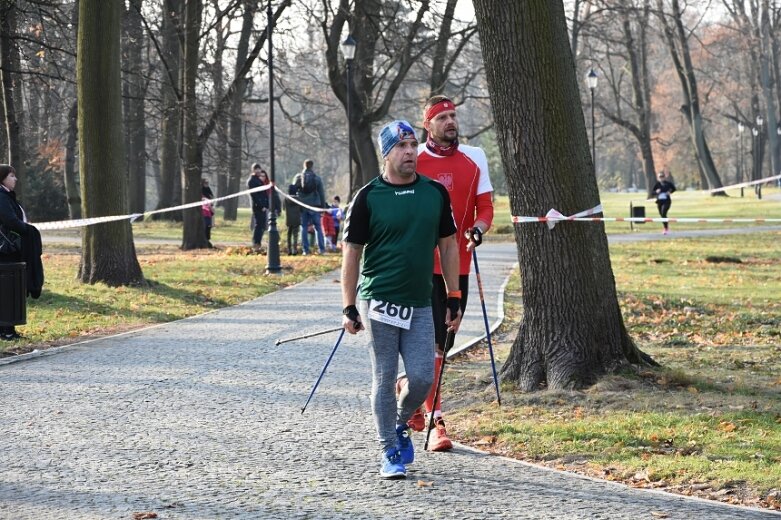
column 572, row 330
column 678, row 45
column 380, row 66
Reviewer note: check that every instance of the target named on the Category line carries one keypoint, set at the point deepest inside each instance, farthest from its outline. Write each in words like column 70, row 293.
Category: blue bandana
column 393, row 133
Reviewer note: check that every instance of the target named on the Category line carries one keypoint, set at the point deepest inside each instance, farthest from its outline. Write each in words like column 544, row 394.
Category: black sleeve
column 356, row 221
column 447, row 223
column 8, row 218
column 672, row 187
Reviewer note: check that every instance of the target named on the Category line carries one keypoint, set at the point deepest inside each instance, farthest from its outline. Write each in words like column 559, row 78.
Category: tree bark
column 170, row 193
column 572, row 330
column 135, row 120
column 72, row 192
column 193, row 234
column 235, row 135
column 218, row 79
column 11, row 88
column 108, row 252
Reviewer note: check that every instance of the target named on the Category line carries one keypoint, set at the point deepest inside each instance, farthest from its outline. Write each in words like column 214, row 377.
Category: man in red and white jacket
column 463, row 170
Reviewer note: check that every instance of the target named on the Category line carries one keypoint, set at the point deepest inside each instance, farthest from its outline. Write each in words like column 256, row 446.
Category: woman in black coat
column 13, row 222
column 662, row 190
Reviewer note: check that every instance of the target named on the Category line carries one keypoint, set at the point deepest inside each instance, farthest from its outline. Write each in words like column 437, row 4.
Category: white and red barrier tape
column 68, row 224
column 553, row 217
column 745, row 184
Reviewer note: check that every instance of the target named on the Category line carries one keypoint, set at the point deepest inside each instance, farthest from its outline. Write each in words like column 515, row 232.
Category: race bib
column 390, row 314
column 662, row 196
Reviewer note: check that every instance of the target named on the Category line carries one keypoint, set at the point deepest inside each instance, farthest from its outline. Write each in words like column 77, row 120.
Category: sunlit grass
column 708, row 422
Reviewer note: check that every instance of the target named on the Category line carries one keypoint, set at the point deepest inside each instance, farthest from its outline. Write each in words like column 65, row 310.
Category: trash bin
column 638, row 212
column 13, row 294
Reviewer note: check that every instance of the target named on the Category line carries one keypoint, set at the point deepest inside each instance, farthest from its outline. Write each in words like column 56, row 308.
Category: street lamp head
column 778, row 130
column 741, row 127
column 348, row 48
column 755, row 132
column 591, row 79
column 760, row 121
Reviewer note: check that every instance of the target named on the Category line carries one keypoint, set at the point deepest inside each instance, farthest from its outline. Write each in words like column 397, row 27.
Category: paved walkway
column 200, row 419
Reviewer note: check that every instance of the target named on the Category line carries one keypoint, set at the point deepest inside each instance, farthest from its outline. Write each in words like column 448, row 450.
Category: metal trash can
column 13, row 294
column 638, row 212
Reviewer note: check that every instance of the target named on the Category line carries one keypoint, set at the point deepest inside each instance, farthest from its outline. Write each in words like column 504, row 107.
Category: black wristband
column 454, row 305
column 475, row 234
column 351, row 311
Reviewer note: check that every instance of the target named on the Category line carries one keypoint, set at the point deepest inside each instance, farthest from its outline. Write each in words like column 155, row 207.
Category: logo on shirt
column 446, row 179
column 406, row 192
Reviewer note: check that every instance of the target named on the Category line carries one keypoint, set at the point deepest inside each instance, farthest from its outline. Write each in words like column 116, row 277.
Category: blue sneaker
column 406, row 448
column 391, row 465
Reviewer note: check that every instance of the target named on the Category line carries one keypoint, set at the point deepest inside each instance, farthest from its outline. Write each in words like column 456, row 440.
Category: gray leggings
column 416, row 347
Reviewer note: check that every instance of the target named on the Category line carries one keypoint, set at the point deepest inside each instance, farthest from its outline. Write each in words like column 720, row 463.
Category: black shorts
column 439, row 304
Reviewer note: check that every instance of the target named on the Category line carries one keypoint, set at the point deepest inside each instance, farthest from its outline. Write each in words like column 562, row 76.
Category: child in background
column 327, row 223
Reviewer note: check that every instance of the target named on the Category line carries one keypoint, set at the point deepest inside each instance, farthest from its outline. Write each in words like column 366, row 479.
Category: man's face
column 403, row 158
column 443, row 127
column 256, row 172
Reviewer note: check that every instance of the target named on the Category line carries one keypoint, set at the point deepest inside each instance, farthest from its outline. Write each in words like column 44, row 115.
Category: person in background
column 207, row 212
column 311, row 193
column 338, row 216
column 261, row 201
column 206, row 191
column 662, row 190
column 292, row 220
column 327, row 223
column 23, row 238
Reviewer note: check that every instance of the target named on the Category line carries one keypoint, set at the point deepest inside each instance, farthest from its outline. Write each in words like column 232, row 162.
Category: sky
column 465, row 10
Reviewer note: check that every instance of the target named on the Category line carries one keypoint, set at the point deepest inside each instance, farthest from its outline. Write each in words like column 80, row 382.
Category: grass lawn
column 181, row 284
column 707, row 423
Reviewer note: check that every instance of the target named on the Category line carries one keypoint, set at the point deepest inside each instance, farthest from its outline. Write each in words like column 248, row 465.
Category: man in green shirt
column 390, row 232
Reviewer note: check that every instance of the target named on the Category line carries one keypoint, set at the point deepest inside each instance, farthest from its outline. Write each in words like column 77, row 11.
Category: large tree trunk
column 108, row 253
column 135, row 120
column 233, row 179
column 72, row 192
column 193, row 235
column 170, row 193
column 572, row 330
column 11, row 88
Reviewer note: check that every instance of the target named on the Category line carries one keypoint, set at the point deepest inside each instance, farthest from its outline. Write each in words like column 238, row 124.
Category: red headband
column 438, row 108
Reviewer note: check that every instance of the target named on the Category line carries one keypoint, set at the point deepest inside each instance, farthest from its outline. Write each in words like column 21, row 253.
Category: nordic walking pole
column 487, row 328
column 322, row 372
column 451, row 336
column 311, row 335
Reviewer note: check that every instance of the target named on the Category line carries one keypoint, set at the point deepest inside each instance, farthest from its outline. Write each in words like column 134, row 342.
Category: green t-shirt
column 399, row 227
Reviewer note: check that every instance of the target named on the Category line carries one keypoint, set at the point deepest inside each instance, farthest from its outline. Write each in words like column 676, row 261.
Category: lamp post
column 272, row 259
column 740, row 156
column 591, row 81
column 758, row 187
column 348, row 50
